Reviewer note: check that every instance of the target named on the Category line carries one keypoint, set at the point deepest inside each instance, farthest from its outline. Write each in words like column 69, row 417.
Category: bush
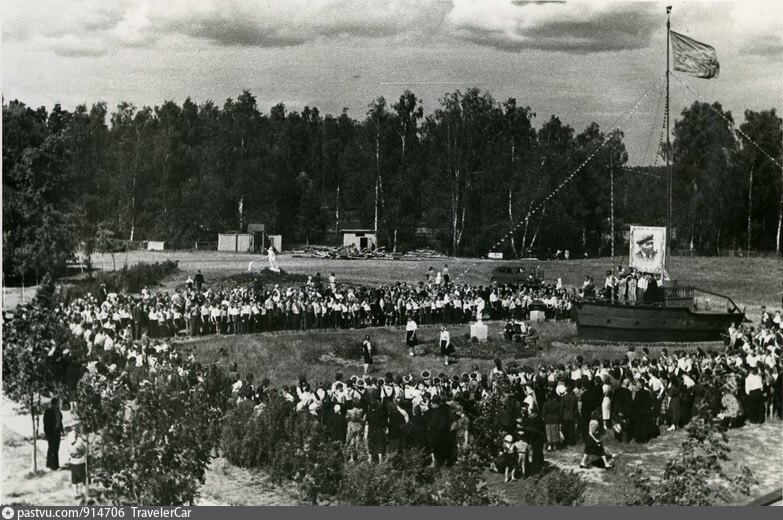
column 486, row 428
column 292, row 447
column 401, row 481
column 290, row 444
column 128, row 279
column 407, row 480
column 166, row 423
column 555, row 487
column 695, row 475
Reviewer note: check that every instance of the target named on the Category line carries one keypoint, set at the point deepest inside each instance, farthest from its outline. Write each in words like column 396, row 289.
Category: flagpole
column 668, row 149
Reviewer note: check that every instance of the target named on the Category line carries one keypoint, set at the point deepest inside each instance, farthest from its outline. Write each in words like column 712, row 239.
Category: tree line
column 456, row 179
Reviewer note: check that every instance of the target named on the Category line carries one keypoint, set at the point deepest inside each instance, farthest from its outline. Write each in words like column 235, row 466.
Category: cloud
column 263, row 23
column 768, row 47
column 762, row 20
column 270, row 23
column 573, row 26
column 33, row 19
column 71, row 46
column 94, row 27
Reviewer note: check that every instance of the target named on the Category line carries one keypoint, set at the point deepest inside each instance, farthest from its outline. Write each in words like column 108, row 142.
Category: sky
column 597, row 61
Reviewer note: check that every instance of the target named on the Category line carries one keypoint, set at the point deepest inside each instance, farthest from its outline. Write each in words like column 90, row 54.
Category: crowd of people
column 632, row 398
column 317, row 304
column 543, row 408
column 625, row 285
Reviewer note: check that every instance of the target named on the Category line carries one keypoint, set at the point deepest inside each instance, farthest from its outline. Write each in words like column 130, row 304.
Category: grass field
column 283, row 356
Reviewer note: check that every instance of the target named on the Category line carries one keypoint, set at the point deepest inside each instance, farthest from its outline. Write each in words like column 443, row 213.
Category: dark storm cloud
column 572, row 27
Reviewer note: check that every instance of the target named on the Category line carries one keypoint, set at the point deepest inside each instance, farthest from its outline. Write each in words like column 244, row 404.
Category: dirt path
column 225, row 484
column 756, row 446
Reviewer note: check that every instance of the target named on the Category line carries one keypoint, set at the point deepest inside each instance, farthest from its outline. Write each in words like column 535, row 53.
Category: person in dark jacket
column 139, row 320
column 622, row 405
column 439, row 431
column 336, row 425
column 642, row 419
column 569, row 408
column 53, row 429
column 398, row 421
column 551, row 412
column 509, row 414
column 591, row 399
column 376, row 431
column 533, row 429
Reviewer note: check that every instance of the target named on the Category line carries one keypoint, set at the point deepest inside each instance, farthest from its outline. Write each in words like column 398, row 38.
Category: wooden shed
column 237, row 242
column 360, row 238
column 259, row 231
column 156, row 245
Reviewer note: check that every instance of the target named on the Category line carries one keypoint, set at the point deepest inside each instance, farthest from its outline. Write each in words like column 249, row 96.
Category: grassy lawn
column 284, row 356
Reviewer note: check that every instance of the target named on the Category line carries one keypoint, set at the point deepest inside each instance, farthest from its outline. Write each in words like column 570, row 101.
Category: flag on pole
column 694, row 58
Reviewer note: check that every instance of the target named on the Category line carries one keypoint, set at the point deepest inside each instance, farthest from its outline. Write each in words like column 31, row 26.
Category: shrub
column 128, row 279
column 487, row 428
column 235, row 426
column 164, row 424
column 290, row 444
column 555, row 487
column 463, row 484
column 407, row 480
column 400, row 481
column 695, row 475
column 305, row 456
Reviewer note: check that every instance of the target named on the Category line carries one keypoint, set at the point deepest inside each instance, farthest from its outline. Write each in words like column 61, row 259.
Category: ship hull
column 605, row 321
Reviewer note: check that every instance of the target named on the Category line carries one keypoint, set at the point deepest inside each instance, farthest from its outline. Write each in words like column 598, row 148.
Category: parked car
column 514, row 274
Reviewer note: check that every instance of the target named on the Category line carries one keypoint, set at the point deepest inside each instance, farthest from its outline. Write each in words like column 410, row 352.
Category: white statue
column 272, row 260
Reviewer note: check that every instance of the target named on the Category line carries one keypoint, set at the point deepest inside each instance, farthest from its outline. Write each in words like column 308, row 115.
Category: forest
column 457, row 179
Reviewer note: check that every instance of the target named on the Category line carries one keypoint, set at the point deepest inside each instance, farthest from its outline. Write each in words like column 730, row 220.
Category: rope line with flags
column 730, row 123
column 573, row 174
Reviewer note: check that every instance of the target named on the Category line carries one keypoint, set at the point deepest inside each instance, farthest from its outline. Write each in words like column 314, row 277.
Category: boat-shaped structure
column 677, row 318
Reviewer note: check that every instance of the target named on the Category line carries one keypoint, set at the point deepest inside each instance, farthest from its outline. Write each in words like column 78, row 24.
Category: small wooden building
column 360, row 238
column 237, row 242
column 156, row 245
column 276, row 241
column 259, row 231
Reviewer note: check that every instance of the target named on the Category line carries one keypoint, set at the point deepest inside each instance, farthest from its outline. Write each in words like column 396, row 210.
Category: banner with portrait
column 647, row 248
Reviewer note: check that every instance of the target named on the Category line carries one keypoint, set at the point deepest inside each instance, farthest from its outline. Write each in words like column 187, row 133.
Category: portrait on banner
column 647, row 248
